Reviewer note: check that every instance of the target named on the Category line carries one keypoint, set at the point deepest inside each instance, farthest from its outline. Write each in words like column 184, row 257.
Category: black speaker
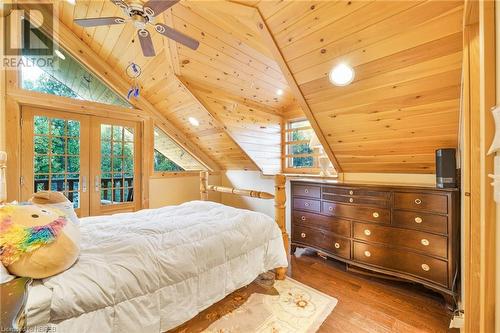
column 446, row 168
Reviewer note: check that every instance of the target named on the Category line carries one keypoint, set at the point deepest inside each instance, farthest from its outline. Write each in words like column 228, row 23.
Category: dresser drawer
column 370, row 201
column 353, row 191
column 417, row 240
column 323, row 240
column 338, row 226
column 371, row 214
column 307, row 191
column 403, row 262
column 421, row 201
column 307, row 204
column 420, row 221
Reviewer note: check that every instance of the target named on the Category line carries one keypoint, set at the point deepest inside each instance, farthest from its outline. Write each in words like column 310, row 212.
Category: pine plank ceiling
column 402, row 105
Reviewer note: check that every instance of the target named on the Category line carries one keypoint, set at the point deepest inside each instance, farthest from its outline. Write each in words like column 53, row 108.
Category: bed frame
column 279, row 197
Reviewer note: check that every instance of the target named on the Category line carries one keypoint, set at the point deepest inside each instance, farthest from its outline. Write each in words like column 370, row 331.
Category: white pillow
column 4, row 275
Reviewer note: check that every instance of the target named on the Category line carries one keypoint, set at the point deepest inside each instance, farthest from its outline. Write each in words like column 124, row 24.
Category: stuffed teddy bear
column 37, row 240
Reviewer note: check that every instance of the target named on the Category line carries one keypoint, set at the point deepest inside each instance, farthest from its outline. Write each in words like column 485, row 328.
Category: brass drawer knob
column 303, row 218
column 306, row 204
column 375, row 215
column 351, row 192
column 367, row 232
column 303, row 235
column 418, row 220
column 425, row 267
column 337, row 245
column 351, row 200
column 424, row 242
column 330, row 208
column 418, row 201
column 368, row 254
column 306, row 190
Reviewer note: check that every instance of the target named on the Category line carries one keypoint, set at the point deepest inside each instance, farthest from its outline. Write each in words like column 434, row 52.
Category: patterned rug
column 287, row 307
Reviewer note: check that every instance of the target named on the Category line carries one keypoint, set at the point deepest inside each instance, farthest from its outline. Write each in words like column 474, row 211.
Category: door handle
column 84, row 184
column 96, row 183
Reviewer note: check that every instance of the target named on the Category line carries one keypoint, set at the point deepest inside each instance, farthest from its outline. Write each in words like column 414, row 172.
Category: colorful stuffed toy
column 36, row 240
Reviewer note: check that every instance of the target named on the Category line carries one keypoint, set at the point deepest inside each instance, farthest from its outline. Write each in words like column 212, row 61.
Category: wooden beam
column 487, row 209
column 294, row 87
column 121, row 84
column 217, row 121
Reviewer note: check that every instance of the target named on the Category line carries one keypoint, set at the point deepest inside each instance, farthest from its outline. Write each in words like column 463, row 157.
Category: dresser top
column 369, row 184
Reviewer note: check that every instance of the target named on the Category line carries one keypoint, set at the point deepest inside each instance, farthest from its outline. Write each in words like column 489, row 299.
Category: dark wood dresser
column 410, row 233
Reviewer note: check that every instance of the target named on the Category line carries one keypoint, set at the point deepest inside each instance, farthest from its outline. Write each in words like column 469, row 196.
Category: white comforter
column 152, row 270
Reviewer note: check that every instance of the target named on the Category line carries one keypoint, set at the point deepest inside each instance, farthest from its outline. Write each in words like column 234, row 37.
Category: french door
column 115, row 166
column 94, row 161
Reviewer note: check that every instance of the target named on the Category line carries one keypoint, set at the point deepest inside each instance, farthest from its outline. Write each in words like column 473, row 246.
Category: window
column 170, row 157
column 300, row 155
column 64, row 76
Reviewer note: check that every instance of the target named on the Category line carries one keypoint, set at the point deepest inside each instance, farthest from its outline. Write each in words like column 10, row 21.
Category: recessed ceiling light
column 194, row 121
column 60, row 54
column 279, row 92
column 341, row 75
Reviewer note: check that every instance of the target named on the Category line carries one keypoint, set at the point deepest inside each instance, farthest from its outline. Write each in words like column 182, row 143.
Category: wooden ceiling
column 404, row 101
column 402, row 105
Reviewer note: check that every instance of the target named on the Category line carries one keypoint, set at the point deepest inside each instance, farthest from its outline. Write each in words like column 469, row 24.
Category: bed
column 152, row 270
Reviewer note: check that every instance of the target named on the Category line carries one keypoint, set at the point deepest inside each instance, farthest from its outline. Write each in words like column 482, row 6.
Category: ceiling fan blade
column 147, row 46
column 177, row 36
column 156, row 7
column 98, row 21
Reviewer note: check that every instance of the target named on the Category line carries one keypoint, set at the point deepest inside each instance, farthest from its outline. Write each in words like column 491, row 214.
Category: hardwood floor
column 369, row 304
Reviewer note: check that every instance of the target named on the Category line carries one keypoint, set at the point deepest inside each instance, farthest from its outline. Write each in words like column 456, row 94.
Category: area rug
column 287, row 307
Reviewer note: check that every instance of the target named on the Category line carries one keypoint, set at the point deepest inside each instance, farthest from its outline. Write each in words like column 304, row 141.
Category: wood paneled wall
column 478, row 130
column 404, row 101
column 257, row 131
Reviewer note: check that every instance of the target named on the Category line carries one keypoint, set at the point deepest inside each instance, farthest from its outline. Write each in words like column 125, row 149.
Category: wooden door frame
column 479, row 209
column 27, row 146
column 95, row 168
column 18, row 98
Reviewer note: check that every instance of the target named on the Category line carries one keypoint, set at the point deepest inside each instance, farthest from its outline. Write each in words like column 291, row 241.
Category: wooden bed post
column 204, row 185
column 280, row 216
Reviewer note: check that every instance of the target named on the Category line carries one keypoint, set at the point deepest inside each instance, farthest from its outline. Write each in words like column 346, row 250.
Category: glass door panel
column 117, row 164
column 115, row 176
column 54, row 155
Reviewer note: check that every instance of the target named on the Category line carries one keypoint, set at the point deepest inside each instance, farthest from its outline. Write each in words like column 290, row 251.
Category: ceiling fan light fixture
column 341, row 75
column 193, row 121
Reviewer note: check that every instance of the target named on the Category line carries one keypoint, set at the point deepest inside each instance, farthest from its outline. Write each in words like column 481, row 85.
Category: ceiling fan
column 141, row 15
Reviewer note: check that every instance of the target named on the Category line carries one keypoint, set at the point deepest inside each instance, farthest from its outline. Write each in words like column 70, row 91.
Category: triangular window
column 170, row 157
column 63, row 76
